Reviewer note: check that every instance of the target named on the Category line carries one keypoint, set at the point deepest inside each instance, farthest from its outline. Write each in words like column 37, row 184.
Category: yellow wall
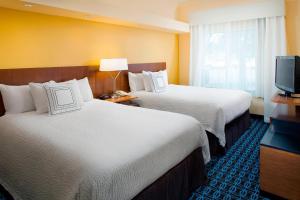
column 184, row 58
column 292, row 27
column 36, row 40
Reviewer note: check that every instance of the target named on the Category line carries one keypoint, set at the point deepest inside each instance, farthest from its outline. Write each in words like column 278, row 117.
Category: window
column 229, row 55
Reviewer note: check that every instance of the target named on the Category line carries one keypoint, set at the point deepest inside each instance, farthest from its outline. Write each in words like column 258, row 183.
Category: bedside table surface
column 121, row 99
column 281, row 141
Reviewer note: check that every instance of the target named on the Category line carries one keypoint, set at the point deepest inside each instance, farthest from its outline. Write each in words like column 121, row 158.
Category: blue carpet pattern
column 232, row 176
column 236, row 174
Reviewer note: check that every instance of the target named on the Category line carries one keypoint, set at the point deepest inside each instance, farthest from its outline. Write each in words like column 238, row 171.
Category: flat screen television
column 287, row 76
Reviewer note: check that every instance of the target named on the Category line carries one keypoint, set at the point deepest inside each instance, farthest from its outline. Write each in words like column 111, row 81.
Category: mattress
column 104, row 151
column 214, row 108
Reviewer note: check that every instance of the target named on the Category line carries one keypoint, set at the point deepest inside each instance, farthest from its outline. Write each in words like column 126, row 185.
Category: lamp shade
column 114, row 64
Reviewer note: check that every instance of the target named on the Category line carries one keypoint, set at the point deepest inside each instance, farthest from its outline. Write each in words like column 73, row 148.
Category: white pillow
column 136, row 81
column 85, row 89
column 148, row 83
column 39, row 97
column 165, row 74
column 159, row 82
column 17, row 99
column 62, row 98
column 76, row 89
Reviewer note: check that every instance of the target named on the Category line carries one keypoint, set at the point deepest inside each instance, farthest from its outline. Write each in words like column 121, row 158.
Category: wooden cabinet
column 280, row 152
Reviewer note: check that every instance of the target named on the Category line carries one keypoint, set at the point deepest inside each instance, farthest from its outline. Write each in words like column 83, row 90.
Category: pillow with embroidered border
column 76, row 89
column 62, row 98
column 159, row 82
column 149, row 81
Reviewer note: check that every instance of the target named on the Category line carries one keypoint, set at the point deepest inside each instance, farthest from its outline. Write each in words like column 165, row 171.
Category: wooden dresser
column 280, row 151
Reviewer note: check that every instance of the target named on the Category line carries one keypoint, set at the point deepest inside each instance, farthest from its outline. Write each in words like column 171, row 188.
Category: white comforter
column 214, row 108
column 105, row 151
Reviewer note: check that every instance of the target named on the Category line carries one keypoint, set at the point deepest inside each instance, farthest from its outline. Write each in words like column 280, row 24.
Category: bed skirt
column 233, row 131
column 179, row 182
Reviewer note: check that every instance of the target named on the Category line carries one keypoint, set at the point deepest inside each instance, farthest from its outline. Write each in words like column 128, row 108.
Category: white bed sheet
column 214, row 108
column 105, row 151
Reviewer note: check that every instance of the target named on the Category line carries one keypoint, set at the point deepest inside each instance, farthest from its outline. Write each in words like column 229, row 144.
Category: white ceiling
column 165, row 8
column 157, row 14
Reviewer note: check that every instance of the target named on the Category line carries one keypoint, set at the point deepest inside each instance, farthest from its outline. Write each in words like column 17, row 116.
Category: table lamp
column 113, row 65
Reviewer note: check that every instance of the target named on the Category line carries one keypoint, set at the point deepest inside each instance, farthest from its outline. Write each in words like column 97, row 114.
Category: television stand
column 290, row 101
column 280, row 151
column 285, row 94
column 289, row 95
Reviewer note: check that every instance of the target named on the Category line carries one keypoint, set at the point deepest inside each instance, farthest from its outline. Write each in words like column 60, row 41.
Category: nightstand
column 280, row 151
column 125, row 100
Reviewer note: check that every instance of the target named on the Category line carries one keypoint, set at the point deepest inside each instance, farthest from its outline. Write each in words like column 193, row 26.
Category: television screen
column 285, row 73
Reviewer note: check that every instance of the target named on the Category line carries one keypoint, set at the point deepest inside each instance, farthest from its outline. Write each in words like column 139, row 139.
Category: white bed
column 214, row 108
column 105, row 151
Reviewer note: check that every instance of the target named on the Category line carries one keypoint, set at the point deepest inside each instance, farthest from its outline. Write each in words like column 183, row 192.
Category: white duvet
column 105, row 151
column 214, row 108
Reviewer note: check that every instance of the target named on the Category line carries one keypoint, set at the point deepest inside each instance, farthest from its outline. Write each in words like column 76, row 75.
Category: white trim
column 261, row 9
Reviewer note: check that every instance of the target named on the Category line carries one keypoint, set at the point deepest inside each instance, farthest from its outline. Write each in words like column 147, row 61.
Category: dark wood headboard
column 153, row 67
column 100, row 82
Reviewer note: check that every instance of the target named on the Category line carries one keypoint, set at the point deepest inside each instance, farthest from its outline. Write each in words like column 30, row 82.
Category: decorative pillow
column 76, row 89
column 148, row 83
column 17, row 99
column 85, row 89
column 159, row 82
column 39, row 97
column 136, row 81
column 62, row 98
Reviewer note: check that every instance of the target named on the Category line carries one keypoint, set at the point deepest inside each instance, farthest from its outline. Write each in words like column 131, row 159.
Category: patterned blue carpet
column 236, row 174
column 233, row 176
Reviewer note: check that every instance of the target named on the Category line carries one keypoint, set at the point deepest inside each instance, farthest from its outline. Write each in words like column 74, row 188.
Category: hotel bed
column 104, row 151
column 223, row 113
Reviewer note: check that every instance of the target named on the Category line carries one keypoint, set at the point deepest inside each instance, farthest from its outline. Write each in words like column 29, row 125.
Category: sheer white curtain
column 226, row 55
column 238, row 55
column 274, row 44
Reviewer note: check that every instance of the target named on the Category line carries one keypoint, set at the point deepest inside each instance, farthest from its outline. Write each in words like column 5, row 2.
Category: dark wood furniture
column 280, row 151
column 286, row 100
column 178, row 183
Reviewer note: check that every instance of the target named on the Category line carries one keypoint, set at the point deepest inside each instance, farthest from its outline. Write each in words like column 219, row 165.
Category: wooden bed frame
column 178, row 183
